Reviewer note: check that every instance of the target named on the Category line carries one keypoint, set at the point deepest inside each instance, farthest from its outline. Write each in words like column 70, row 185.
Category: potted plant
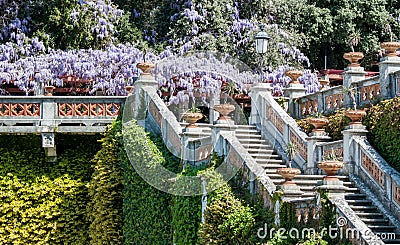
column 354, row 114
column 289, row 173
column 318, row 121
column 391, row 46
column 353, row 56
column 226, row 108
column 49, row 88
column 192, row 116
column 330, row 165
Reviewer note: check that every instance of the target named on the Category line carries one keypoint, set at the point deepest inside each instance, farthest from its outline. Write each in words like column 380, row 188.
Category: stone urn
column 324, row 83
column 330, row 167
column 224, row 110
column 353, row 58
column 129, row 89
column 318, row 123
column 49, row 90
column 146, row 67
column 294, row 75
column 391, row 47
column 355, row 116
column 192, row 118
column 288, row 174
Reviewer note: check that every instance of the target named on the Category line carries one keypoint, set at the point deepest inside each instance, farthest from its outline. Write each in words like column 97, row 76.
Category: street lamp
column 261, row 42
column 262, row 39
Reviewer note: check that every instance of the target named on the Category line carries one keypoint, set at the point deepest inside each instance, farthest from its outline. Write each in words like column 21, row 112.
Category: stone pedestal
column 144, row 80
column 313, row 157
column 258, row 109
column 214, row 100
column 293, row 91
column 216, row 130
column 350, row 76
column 387, row 66
column 350, row 132
column 290, row 191
column 191, row 142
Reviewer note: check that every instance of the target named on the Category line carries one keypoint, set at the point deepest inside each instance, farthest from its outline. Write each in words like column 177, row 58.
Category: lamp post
column 261, row 43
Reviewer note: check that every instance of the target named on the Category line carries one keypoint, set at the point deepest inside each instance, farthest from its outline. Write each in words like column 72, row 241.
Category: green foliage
column 105, row 192
column 227, row 220
column 337, row 122
column 40, row 202
column 383, row 121
column 147, row 216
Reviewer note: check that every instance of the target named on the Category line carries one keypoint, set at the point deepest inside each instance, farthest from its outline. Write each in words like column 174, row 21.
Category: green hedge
column 105, row 191
column 383, row 121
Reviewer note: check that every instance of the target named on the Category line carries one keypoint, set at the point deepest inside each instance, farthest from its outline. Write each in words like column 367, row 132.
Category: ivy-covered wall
column 40, row 202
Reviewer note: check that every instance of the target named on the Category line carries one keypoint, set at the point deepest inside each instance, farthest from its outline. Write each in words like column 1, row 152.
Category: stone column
column 387, row 66
column 214, row 100
column 256, row 106
column 351, row 75
column 349, row 151
column 312, row 156
column 294, row 91
column 144, row 80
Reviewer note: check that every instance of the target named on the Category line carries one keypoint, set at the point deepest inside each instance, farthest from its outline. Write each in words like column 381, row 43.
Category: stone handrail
column 378, row 176
column 275, row 124
column 239, row 155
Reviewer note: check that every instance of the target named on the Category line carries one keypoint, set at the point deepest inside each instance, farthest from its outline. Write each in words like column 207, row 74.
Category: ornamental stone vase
column 353, row 58
column 355, row 116
column 146, row 67
column 129, row 89
column 49, row 90
column 318, row 123
column 324, row 83
column 391, row 47
column 224, row 110
column 294, row 75
column 288, row 174
column 192, row 118
column 330, row 167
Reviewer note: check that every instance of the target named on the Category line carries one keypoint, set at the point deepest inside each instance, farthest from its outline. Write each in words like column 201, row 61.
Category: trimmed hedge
column 105, row 191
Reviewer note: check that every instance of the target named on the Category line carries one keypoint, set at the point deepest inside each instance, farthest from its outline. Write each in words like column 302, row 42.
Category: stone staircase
column 265, row 155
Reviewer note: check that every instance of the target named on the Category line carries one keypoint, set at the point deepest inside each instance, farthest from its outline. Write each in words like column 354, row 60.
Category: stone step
column 359, row 202
column 308, row 177
column 253, row 127
column 271, row 156
column 247, row 136
column 364, row 208
column 247, row 131
column 383, row 221
column 253, row 141
column 355, row 196
column 274, row 166
column 272, row 159
column 257, row 156
column 260, row 151
column 370, row 215
column 382, row 228
column 255, row 145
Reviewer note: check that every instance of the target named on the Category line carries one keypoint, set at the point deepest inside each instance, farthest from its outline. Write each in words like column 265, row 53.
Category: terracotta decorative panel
column 155, row 113
column 333, row 101
column 86, row 109
column 20, row 109
column 370, row 92
column 373, row 169
column 309, row 107
column 275, row 119
column 396, row 192
column 300, row 145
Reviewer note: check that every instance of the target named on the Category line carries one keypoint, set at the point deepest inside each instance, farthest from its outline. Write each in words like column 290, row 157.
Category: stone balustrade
column 376, row 174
